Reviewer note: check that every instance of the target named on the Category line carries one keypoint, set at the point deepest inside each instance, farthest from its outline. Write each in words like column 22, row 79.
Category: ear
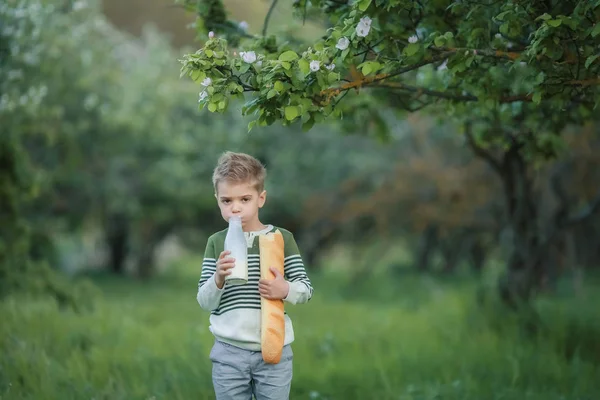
column 262, row 198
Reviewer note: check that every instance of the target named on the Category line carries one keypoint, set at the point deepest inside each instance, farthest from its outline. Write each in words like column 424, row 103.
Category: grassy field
column 414, row 338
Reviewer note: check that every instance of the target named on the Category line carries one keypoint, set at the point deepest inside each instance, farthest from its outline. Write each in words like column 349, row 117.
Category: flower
column 248, row 56
column 343, row 43
column 363, row 27
column 243, row 25
column 315, row 65
column 202, row 96
column 413, row 39
column 330, row 66
column 211, row 34
column 207, row 81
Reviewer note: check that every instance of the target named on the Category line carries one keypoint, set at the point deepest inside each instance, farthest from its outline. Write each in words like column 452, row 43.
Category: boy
column 238, row 368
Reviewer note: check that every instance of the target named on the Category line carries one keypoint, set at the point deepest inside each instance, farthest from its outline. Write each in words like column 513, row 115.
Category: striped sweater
column 235, row 310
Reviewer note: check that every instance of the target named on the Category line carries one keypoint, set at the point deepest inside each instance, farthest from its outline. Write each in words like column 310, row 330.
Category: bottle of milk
column 235, row 241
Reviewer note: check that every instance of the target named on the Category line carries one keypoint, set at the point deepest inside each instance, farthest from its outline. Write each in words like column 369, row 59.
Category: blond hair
column 239, row 168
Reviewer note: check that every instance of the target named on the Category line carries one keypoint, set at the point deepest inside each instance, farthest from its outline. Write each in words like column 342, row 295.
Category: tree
column 511, row 74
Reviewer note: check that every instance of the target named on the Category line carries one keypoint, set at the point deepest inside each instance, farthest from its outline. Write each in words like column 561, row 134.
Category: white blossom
column 343, row 43
column 363, row 27
column 207, row 81
column 243, row 25
column 248, row 56
column 413, row 39
column 211, row 34
column 202, row 96
column 443, row 66
column 330, row 66
column 315, row 65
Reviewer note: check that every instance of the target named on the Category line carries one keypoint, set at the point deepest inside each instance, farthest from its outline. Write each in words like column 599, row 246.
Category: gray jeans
column 237, row 374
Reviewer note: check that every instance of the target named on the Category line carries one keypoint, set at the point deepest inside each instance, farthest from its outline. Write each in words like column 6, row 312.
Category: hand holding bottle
column 224, row 265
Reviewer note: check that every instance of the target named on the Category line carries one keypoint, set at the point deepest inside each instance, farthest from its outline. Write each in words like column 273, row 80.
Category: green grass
column 414, row 338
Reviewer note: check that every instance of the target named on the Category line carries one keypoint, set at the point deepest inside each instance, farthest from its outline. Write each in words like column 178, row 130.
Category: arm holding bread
column 293, row 286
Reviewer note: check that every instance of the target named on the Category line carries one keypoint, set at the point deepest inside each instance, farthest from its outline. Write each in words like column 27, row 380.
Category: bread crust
column 271, row 247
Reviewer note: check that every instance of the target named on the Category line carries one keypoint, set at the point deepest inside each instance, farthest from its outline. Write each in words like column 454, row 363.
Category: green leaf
column 212, row 107
column 366, row 69
column 369, row 67
column 208, row 52
column 198, row 76
column 306, row 126
column 244, row 68
column 439, row 41
column 278, row 86
column 363, row 5
column 537, row 97
column 500, row 17
column 272, row 93
column 288, row 56
column 590, row 60
column 596, row 30
column 291, row 112
column 304, row 66
column 286, row 65
column 412, row 49
column 544, row 16
column 540, row 78
column 554, row 22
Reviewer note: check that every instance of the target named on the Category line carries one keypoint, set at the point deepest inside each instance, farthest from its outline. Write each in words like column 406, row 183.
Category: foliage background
column 107, row 202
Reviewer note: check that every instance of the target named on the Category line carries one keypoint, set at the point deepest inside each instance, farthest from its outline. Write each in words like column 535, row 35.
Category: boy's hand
column 274, row 289
column 224, row 265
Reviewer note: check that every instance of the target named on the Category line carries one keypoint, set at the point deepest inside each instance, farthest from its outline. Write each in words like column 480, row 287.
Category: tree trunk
column 477, row 255
column 427, row 244
column 451, row 251
column 117, row 240
column 525, row 268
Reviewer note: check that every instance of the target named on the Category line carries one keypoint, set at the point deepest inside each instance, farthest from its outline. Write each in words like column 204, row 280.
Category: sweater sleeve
column 301, row 289
column 209, row 295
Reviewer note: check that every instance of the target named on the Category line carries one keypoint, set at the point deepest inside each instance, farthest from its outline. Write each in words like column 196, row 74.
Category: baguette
column 272, row 317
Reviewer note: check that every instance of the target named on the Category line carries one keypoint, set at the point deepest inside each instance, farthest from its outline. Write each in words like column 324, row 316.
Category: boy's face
column 241, row 199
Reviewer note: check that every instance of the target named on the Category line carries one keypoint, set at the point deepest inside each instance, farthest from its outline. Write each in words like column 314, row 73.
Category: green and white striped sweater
column 235, row 310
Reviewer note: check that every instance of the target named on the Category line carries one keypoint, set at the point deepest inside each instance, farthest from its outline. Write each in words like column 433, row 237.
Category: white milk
column 235, row 241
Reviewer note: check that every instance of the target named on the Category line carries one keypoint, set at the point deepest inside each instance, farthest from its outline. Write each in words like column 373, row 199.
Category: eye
column 246, row 199
column 225, row 201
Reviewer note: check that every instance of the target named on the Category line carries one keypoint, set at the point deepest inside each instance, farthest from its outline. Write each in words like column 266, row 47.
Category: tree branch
column 480, row 151
column 355, row 84
column 268, row 17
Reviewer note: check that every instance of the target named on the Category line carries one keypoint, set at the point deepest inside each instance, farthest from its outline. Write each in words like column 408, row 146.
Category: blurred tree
column 38, row 123
column 512, row 74
column 433, row 192
column 95, row 136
